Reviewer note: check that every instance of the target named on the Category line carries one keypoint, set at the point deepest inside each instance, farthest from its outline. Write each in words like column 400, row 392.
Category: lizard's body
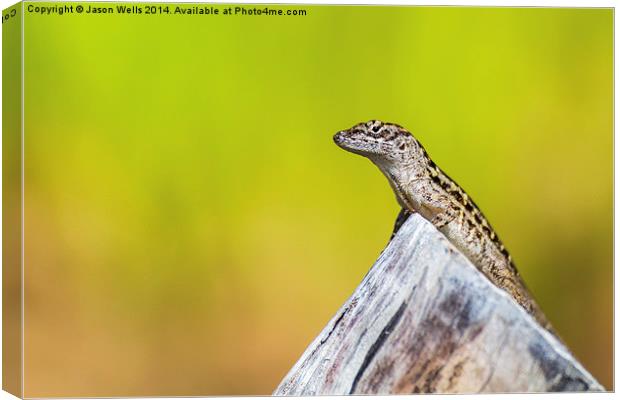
column 420, row 186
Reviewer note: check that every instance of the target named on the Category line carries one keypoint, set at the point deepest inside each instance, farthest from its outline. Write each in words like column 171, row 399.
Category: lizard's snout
column 339, row 137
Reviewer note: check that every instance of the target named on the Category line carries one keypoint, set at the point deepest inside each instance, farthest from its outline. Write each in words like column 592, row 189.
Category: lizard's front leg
column 403, row 215
column 433, row 203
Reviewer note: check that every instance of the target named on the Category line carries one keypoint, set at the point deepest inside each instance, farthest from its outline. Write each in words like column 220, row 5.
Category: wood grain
column 424, row 320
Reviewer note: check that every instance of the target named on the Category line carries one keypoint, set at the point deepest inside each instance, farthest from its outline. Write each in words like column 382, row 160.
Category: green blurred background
column 191, row 227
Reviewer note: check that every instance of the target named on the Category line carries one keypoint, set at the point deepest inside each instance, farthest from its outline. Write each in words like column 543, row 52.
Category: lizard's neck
column 399, row 175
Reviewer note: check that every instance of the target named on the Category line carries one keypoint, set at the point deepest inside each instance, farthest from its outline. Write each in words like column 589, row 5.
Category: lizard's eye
column 402, row 146
column 376, row 128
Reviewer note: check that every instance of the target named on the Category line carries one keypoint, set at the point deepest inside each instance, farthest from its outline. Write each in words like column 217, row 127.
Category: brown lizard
column 420, row 186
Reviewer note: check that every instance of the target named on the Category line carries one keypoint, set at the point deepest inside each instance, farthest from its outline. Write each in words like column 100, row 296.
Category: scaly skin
column 420, row 186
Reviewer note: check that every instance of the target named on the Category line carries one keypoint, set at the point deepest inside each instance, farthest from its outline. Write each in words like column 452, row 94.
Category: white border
column 436, row 3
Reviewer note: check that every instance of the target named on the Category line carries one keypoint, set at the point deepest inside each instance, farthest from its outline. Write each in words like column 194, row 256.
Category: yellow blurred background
column 190, row 227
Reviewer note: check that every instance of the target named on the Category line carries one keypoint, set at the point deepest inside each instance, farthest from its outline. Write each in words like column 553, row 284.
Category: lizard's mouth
column 352, row 144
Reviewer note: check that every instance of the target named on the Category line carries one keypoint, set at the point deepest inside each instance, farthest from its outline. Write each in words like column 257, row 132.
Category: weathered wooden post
column 424, row 320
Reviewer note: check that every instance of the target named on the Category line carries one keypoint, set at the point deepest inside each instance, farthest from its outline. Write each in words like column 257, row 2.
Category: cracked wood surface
column 424, row 320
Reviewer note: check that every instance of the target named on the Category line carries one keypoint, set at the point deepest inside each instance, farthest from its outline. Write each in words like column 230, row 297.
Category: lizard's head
column 382, row 142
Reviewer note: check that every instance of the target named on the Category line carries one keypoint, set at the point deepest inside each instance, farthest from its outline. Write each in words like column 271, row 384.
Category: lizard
column 422, row 187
